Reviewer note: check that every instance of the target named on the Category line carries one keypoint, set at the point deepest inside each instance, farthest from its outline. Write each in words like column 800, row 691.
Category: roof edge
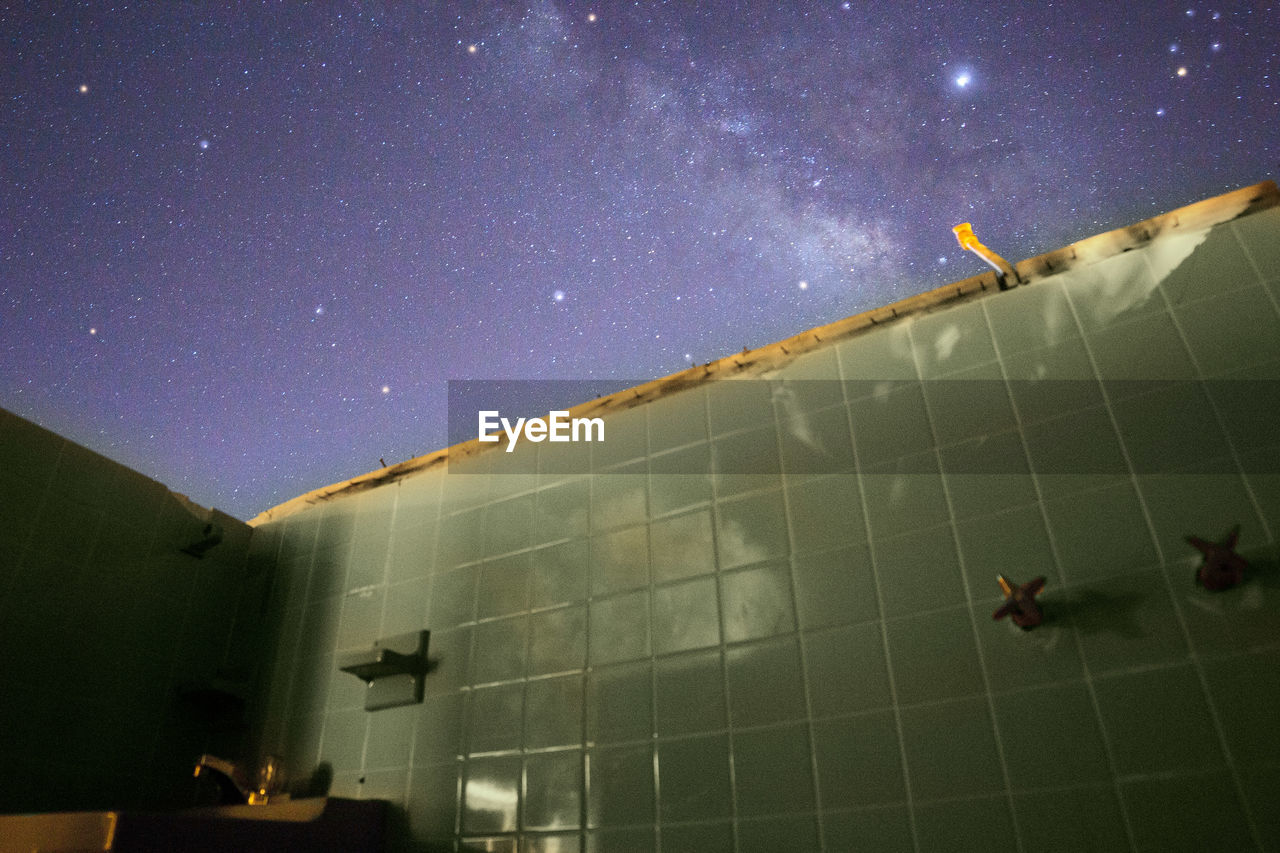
column 1091, row 250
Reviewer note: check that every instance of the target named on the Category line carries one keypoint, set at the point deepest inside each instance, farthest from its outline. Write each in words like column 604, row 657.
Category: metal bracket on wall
column 393, row 670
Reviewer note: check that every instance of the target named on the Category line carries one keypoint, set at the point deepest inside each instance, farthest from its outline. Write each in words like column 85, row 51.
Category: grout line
column 1192, row 651
column 1107, row 745
column 964, row 581
column 884, row 631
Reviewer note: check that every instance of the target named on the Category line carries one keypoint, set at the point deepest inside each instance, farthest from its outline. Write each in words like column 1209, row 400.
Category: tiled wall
column 655, row 659
column 118, row 653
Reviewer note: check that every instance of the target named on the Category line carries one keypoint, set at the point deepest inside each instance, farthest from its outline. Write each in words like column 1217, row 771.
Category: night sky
column 243, row 246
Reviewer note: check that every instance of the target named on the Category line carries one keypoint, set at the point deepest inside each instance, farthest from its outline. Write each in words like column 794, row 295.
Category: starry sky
column 243, row 246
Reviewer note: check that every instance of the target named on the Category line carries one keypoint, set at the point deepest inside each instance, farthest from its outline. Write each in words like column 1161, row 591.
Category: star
column 1020, row 602
column 84, row 90
column 963, row 80
column 1222, row 568
column 386, row 389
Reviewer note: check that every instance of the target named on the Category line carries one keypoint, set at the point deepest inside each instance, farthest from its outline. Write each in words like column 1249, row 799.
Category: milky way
column 242, row 251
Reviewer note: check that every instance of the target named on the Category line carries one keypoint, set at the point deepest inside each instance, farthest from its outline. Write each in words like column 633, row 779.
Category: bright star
column 558, row 296
column 804, row 285
column 1182, row 72
column 386, row 389
column 963, row 80
column 204, row 145
column 84, row 90
column 471, row 48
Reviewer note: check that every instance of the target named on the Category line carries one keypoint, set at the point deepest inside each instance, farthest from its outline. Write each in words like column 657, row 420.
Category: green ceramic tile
column 504, row 586
column 690, row 694
column 439, row 727
column 1201, row 264
column 969, row 404
column 1179, row 814
column 1204, row 505
column 342, row 742
column 919, row 571
column 953, row 340
column 1172, row 427
column 557, row 640
column 756, row 603
column 619, row 498
column 625, row 439
column 1246, row 405
column 1013, row 543
column 746, row 461
column 619, row 628
column 882, row 355
column 1116, row 290
column 685, row 616
column 1076, row 452
column 698, row 838
column 933, row 656
column 1051, row 737
column 693, row 778
column 835, row 588
column 412, row 553
column 433, row 800
column 891, row 425
column 1100, row 534
column 461, row 539
column 1257, row 232
column 620, row 560
column 680, row 479
column 765, row 835
column 809, row 383
column 1232, row 330
column 677, row 420
column 1229, row 621
column 634, row 839
column 491, row 794
column 905, row 496
column 561, row 511
column 621, row 786
column 553, row 712
column 558, row 574
column 1125, row 621
column 885, row 828
column 825, row 512
column 451, row 659
column 1031, row 318
column 815, row 443
column 987, row 475
column 1053, row 382
column 951, row 747
column 859, row 760
column 751, row 530
column 733, row 405
column 561, row 461
column 499, row 653
column 494, row 718
column 390, row 742
column 619, row 703
column 1015, row 658
column 1071, row 820
column 846, row 670
column 1148, row 348
column 774, row 770
column 765, row 683
column 979, row 824
column 1245, row 689
column 1262, row 790
column 682, row 546
column 1157, row 721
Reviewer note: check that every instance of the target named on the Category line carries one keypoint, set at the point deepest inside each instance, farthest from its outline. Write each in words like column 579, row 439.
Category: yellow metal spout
column 970, row 243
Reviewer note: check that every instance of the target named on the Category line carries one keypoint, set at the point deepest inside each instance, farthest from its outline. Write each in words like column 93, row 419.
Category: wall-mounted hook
column 1222, row 568
column 1020, row 603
